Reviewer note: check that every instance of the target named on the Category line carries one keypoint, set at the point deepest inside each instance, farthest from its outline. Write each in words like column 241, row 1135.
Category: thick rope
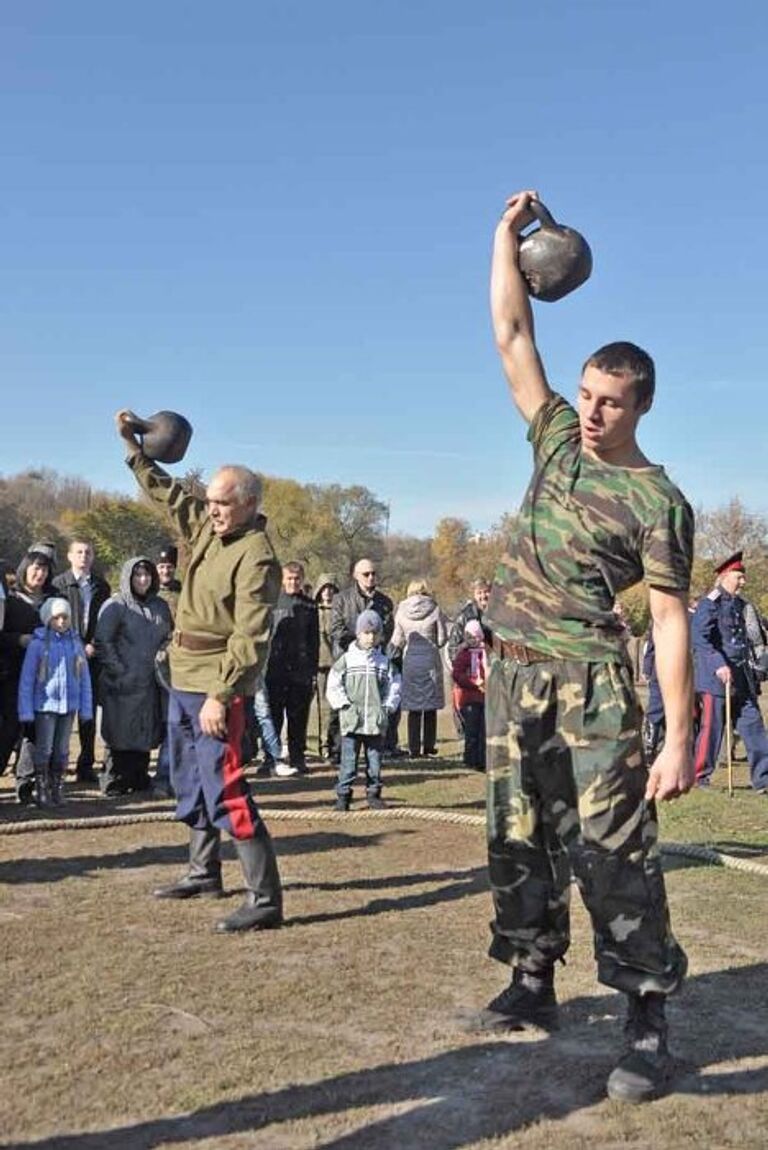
column 421, row 814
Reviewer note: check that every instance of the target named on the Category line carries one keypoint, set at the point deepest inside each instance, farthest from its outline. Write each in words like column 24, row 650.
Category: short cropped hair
column 480, row 585
column 294, row 567
column 631, row 362
column 248, row 485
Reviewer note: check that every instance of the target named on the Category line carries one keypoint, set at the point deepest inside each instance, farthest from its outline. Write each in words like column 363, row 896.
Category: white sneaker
column 285, row 770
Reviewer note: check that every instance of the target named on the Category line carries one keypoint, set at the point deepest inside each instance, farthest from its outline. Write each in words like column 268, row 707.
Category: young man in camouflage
column 568, row 786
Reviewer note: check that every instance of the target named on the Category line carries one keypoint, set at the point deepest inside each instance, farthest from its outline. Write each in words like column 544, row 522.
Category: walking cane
column 728, row 739
column 319, row 718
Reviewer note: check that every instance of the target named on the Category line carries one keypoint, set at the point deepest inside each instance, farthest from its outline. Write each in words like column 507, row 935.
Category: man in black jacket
column 361, row 595
column 364, row 595
column 86, row 592
column 292, row 666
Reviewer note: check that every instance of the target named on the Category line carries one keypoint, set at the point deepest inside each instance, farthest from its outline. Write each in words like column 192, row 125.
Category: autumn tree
column 119, row 529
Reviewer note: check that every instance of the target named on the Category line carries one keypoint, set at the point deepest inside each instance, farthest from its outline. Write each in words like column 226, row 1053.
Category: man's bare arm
column 511, row 311
column 672, row 774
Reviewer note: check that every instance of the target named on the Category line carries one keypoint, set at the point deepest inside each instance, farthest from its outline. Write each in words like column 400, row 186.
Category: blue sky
column 275, row 217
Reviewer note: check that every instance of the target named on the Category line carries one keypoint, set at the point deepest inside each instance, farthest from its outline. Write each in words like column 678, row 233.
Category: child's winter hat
column 368, row 621
column 474, row 629
column 53, row 607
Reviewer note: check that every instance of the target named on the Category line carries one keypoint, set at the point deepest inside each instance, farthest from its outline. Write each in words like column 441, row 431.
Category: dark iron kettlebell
column 165, row 435
column 554, row 260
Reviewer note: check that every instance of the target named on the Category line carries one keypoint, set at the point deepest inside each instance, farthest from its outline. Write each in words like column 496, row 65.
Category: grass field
column 129, row 1024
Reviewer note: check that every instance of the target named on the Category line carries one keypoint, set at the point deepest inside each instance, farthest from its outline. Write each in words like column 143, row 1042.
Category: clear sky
column 275, row 217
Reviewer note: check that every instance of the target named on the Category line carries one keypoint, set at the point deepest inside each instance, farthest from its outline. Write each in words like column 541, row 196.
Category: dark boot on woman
column 55, row 780
column 42, row 787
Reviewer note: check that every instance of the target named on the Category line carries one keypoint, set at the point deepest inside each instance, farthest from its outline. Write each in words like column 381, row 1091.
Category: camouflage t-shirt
column 586, row 531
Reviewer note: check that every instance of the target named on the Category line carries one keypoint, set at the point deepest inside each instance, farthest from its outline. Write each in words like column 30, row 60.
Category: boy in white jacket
column 364, row 688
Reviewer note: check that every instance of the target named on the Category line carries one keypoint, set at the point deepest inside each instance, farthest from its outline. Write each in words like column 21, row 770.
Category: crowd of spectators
column 72, row 651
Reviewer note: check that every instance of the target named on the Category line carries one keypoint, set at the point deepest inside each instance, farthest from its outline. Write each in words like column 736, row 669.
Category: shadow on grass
column 50, row 869
column 462, row 884
column 487, row 1090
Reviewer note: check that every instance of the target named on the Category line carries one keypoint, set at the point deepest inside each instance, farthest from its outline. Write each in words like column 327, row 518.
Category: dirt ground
column 127, row 1023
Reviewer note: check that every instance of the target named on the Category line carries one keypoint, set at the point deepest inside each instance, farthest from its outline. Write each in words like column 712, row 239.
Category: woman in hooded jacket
column 420, row 631
column 134, row 626
column 32, row 586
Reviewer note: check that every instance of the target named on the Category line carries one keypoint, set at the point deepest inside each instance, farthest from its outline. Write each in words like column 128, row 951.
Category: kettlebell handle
column 136, row 423
column 542, row 214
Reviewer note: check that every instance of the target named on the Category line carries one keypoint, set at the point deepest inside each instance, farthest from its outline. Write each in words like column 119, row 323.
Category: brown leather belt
column 518, row 652
column 210, row 644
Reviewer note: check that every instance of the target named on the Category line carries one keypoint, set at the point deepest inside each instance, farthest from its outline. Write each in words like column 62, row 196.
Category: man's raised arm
column 511, row 311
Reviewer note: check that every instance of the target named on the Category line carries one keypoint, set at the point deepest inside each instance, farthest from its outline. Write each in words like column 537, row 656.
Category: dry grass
column 128, row 1024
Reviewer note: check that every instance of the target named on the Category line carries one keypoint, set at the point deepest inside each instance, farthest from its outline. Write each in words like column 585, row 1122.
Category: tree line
column 327, row 527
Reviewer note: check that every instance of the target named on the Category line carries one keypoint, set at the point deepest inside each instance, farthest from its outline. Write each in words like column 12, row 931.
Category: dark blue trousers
column 207, row 773
column 747, row 720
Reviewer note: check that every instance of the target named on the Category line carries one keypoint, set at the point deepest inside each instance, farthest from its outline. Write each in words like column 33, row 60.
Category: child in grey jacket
column 364, row 688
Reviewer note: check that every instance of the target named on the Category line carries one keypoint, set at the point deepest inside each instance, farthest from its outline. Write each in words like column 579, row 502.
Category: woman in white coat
column 420, row 631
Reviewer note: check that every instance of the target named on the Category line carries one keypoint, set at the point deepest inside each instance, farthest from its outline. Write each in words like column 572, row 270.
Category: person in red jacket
column 469, row 670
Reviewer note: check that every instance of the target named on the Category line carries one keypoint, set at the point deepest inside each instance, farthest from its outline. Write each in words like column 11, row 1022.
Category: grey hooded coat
column 129, row 634
column 420, row 631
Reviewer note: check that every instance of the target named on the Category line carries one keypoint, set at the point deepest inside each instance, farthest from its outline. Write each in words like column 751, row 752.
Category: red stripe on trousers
column 235, row 797
column 705, row 734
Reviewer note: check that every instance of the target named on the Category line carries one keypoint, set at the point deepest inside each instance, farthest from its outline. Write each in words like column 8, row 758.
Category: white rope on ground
column 421, row 814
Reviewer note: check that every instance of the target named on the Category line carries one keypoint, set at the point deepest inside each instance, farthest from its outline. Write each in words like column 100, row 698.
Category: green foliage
column 118, row 529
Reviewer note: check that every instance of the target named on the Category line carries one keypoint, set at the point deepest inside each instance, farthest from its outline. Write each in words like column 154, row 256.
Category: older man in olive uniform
column 219, row 644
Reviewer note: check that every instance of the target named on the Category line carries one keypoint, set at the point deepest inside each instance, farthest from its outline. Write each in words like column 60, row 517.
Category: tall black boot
column 646, row 1064
column 42, row 787
column 263, row 906
column 204, row 874
column 55, row 780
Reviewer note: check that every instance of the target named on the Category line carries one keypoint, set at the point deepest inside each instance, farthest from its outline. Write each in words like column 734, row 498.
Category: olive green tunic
column 228, row 593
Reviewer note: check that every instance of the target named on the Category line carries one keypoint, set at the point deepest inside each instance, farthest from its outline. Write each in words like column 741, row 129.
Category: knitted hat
column 53, row 607
column 474, row 629
column 368, row 621
column 47, row 550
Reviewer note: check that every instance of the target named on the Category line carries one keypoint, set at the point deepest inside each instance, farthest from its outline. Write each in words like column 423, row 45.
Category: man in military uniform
column 722, row 660
column 219, row 643
column 170, row 586
column 568, row 785
column 653, row 719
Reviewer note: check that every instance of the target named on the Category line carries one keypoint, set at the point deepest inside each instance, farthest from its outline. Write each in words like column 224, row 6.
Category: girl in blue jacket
column 54, row 687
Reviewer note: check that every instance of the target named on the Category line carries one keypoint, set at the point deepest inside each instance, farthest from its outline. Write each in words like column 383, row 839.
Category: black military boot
column 204, row 874
column 529, row 1000
column 646, row 1065
column 263, row 906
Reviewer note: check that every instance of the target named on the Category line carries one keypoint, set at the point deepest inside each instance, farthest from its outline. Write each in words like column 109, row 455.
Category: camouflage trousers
column 566, row 783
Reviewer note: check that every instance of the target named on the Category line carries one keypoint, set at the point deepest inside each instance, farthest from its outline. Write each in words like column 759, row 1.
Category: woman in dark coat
column 133, row 626
column 32, row 587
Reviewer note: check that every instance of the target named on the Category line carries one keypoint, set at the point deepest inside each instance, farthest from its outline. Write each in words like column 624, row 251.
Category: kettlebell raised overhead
column 165, row 435
column 554, row 260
